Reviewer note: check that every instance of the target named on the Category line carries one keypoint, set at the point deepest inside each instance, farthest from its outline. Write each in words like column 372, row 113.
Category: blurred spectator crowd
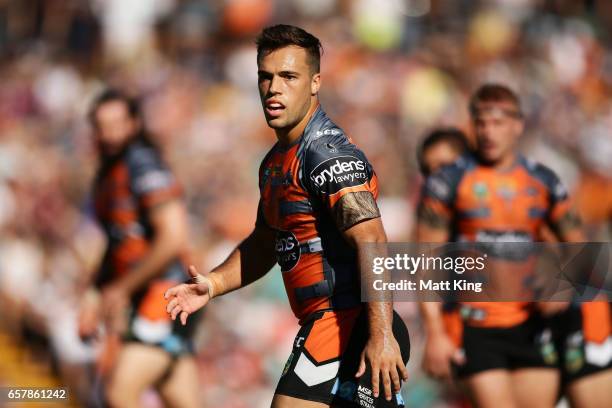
column 391, row 71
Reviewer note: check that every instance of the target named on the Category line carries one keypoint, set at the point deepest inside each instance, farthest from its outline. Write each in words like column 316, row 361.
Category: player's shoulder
column 141, row 154
column 325, row 141
column 546, row 176
column 443, row 184
column 147, row 170
column 457, row 169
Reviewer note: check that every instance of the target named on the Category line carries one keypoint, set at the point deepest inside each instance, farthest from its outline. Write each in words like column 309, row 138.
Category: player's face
column 439, row 155
column 496, row 131
column 287, row 86
column 114, row 126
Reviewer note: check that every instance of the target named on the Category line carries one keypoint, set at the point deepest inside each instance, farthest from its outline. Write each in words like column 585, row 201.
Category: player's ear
column 315, row 83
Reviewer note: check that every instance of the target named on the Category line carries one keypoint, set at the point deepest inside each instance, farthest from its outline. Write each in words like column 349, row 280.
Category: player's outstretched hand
column 187, row 298
column 382, row 354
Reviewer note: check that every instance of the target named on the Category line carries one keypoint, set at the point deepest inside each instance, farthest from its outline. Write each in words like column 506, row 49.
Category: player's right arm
column 249, row 261
column 433, row 225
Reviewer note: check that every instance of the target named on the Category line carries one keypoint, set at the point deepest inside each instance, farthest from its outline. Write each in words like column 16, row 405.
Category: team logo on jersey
column 338, row 173
column 274, row 175
column 287, row 250
column 506, row 191
column 531, row 191
column 480, row 190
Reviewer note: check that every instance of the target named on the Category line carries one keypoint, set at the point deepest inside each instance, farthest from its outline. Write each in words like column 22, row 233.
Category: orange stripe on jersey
column 596, row 321
column 153, row 305
column 374, row 186
column 308, row 272
column 500, row 314
column 330, row 334
column 333, row 198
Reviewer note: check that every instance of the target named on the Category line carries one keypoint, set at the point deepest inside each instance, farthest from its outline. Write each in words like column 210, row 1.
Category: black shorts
column 325, row 358
column 582, row 336
column 526, row 345
column 150, row 324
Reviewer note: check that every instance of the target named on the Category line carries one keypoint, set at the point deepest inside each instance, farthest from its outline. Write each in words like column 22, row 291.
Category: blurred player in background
column 499, row 349
column 317, row 203
column 440, row 148
column 138, row 203
column 584, row 331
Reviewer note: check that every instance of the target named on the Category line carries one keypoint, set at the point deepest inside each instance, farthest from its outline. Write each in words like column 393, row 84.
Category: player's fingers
column 171, row 304
column 193, row 272
column 172, row 292
column 362, row 366
column 395, row 379
column 403, row 371
column 175, row 311
column 386, row 380
column 375, row 380
column 184, row 318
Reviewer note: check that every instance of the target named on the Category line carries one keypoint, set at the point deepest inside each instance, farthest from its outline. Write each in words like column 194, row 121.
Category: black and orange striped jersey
column 309, row 193
column 126, row 188
column 479, row 203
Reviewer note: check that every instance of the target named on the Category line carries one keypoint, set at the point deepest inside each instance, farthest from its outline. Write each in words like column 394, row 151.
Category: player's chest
column 282, row 194
column 113, row 196
column 501, row 197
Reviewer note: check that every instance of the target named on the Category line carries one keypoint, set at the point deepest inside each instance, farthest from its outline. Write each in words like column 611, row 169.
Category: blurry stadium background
column 392, row 70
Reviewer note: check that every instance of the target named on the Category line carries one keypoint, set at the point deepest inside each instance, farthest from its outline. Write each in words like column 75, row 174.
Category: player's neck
column 505, row 163
column 286, row 137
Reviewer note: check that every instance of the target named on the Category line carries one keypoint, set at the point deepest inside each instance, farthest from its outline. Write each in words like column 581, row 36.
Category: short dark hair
column 493, row 92
column 453, row 136
column 282, row 35
column 112, row 95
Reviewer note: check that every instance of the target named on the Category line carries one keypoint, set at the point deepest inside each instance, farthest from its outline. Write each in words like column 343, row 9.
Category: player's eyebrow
column 262, row 72
column 287, row 72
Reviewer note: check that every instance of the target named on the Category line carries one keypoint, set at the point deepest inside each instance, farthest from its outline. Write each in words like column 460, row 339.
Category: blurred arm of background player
column 439, row 348
column 567, row 228
column 169, row 223
column 251, row 260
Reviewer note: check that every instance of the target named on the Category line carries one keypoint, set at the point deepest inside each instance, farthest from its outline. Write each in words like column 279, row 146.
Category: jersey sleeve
column 343, row 182
column 437, row 197
column 152, row 182
column 561, row 214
